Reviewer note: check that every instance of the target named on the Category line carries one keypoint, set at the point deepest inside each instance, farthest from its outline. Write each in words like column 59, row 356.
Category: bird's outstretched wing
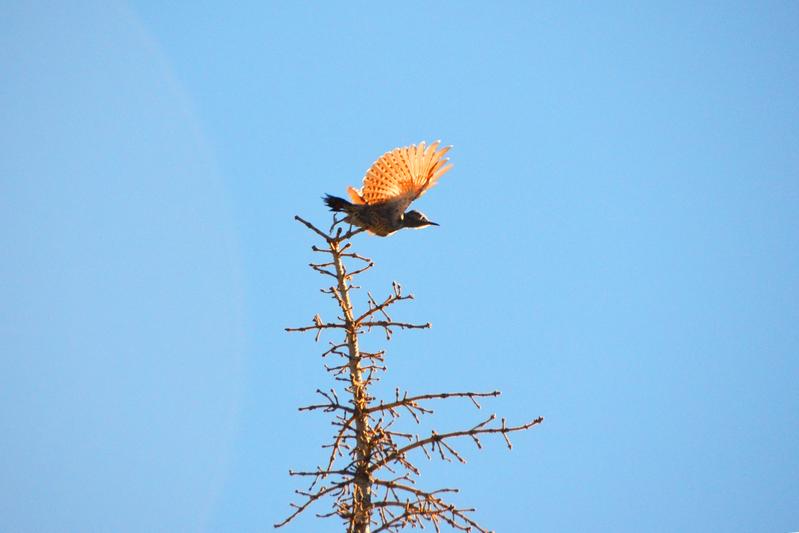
column 402, row 175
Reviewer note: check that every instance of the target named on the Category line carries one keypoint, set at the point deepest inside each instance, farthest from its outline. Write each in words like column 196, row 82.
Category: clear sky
column 618, row 252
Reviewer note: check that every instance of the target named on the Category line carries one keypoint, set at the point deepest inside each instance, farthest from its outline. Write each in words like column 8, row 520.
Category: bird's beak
column 433, row 223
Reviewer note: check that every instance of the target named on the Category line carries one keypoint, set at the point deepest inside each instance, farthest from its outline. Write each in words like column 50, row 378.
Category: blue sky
column 617, row 252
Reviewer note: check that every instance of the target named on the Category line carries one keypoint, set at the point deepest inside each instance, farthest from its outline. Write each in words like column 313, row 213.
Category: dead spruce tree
column 368, row 474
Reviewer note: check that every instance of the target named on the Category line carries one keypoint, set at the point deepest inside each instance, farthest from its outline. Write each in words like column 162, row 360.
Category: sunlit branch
column 411, row 400
column 312, row 498
column 366, row 441
column 479, row 429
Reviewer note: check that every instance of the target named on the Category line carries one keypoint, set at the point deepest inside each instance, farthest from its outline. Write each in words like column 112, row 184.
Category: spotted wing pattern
column 402, row 175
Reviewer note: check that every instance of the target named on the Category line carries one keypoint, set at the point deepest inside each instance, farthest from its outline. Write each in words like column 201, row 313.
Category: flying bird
column 395, row 180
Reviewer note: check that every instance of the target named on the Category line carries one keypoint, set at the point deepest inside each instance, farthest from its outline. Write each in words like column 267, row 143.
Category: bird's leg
column 350, row 231
column 336, row 222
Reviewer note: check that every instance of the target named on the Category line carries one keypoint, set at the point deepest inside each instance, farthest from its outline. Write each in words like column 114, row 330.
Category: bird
column 396, row 179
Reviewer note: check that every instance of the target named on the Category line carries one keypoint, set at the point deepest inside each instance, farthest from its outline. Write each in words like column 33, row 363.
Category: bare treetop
column 369, row 475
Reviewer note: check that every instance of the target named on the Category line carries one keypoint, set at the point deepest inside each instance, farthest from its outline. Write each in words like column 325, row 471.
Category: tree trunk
column 362, row 500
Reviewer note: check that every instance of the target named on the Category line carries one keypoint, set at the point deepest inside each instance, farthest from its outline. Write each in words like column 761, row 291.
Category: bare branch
column 331, row 405
column 312, row 498
column 390, row 324
column 441, row 395
column 313, row 228
column 328, row 325
column 477, row 430
column 367, row 436
column 338, row 237
column 375, row 307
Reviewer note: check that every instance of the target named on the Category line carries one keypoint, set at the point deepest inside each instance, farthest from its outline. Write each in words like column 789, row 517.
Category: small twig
column 312, row 228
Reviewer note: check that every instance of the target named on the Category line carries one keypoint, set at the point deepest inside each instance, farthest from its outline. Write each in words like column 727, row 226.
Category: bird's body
column 381, row 219
column 394, row 181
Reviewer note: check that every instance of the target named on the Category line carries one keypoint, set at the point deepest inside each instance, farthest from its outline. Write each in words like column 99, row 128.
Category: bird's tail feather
column 337, row 204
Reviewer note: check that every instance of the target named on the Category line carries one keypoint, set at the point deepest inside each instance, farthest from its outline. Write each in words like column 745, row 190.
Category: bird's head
column 415, row 219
